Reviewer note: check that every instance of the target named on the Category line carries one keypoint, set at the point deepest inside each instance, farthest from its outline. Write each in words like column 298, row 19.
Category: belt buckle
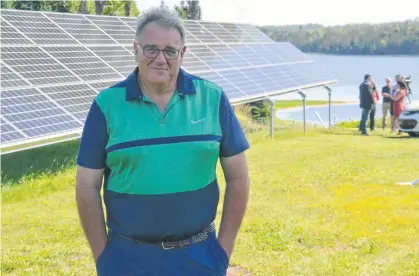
column 166, row 247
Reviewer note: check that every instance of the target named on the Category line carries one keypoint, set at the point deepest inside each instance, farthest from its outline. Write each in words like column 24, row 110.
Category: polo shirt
column 160, row 167
column 387, row 90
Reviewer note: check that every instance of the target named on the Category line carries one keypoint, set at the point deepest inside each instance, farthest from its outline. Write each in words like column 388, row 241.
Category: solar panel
column 201, row 33
column 250, row 55
column 257, row 35
column 227, row 53
column 221, row 33
column 209, row 57
column 54, row 64
column 114, row 27
column 75, row 99
column 36, row 27
column 34, row 114
column 84, row 63
column 81, row 28
column 11, row 79
column 239, row 33
column 99, row 86
column 117, row 57
column 36, row 66
column 10, row 36
column 194, row 64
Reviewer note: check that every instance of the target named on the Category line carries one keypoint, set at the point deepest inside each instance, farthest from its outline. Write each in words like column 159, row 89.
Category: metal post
column 330, row 105
column 304, row 114
column 303, row 95
column 272, row 121
column 272, row 118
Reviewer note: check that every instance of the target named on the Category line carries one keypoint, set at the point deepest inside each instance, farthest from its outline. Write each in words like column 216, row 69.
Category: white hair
column 163, row 17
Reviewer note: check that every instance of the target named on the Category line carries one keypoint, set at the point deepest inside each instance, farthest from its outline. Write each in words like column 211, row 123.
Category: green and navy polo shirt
column 160, row 167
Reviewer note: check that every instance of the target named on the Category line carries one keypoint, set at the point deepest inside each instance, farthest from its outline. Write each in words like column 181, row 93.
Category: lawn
column 299, row 103
column 325, row 203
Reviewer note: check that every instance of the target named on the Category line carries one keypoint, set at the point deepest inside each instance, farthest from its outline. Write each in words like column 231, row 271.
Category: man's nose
column 160, row 57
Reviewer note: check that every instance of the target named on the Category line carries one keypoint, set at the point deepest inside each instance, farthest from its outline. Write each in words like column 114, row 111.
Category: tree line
column 98, row 7
column 395, row 38
column 189, row 9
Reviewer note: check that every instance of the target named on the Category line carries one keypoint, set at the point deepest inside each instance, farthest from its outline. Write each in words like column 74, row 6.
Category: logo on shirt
column 197, row 121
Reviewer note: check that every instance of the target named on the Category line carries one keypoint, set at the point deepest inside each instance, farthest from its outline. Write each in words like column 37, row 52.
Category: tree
column 163, row 4
column 55, row 6
column 99, row 5
column 194, row 10
column 189, row 9
column 27, row 5
column 120, row 8
column 84, row 7
column 127, row 7
column 352, row 39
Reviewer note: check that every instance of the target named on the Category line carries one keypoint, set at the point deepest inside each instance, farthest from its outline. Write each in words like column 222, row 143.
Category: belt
column 201, row 236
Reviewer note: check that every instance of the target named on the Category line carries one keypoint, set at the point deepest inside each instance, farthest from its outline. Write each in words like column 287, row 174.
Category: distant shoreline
column 359, row 55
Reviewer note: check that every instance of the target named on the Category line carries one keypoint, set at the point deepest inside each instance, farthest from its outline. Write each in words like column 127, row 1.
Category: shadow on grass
column 400, row 137
column 33, row 162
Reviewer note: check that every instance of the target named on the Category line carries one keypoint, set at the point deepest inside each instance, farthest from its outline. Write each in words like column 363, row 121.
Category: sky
column 276, row 12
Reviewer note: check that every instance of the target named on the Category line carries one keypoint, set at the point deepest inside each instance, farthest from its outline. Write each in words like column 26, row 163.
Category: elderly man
column 154, row 140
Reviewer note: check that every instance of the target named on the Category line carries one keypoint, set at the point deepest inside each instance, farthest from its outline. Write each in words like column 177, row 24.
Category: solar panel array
column 53, row 65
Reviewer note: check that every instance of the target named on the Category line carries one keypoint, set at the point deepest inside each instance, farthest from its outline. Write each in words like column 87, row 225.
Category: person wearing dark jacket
column 366, row 97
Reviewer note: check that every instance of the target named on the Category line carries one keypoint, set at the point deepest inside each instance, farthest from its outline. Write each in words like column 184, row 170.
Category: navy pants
column 122, row 257
column 364, row 118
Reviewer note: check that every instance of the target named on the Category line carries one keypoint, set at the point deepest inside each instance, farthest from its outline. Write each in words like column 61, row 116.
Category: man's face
column 158, row 67
column 388, row 82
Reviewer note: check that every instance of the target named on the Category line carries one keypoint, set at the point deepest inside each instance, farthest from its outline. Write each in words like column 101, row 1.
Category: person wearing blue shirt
column 153, row 142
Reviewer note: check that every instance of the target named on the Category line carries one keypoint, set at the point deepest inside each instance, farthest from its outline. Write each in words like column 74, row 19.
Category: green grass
column 299, row 103
column 321, row 204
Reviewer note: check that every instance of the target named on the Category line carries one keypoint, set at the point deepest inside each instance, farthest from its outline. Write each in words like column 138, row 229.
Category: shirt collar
column 184, row 85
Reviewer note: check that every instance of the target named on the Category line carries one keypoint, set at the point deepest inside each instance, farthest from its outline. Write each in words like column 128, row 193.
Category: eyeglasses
column 153, row 51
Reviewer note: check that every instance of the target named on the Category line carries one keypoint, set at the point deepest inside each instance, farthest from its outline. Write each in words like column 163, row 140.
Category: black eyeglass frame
column 159, row 50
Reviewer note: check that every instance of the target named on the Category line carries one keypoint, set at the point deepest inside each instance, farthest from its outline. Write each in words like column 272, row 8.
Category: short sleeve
column 92, row 150
column 233, row 139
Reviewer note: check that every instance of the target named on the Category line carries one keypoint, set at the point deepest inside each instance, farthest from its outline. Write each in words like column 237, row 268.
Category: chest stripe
column 163, row 140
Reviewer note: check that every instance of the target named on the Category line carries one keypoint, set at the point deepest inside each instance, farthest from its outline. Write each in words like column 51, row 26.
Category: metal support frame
column 303, row 96
column 271, row 117
column 329, row 90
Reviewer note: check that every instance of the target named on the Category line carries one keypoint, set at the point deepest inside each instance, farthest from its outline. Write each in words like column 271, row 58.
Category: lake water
column 350, row 71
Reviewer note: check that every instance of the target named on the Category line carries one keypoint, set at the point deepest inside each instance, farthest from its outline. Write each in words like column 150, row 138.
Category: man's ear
column 135, row 47
column 136, row 51
column 182, row 53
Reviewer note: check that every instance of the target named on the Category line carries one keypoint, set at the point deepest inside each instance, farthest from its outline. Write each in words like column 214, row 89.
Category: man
column 366, row 102
column 376, row 97
column 156, row 138
column 386, row 100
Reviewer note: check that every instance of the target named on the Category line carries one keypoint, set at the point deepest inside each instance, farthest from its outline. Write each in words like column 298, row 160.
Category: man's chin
column 159, row 76
column 158, row 80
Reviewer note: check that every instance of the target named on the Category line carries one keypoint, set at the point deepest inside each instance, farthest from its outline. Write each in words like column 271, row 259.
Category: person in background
column 376, row 97
column 393, row 93
column 398, row 104
column 386, row 101
column 366, row 102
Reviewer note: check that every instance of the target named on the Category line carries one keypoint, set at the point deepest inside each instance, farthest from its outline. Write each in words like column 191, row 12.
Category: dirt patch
column 237, row 270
